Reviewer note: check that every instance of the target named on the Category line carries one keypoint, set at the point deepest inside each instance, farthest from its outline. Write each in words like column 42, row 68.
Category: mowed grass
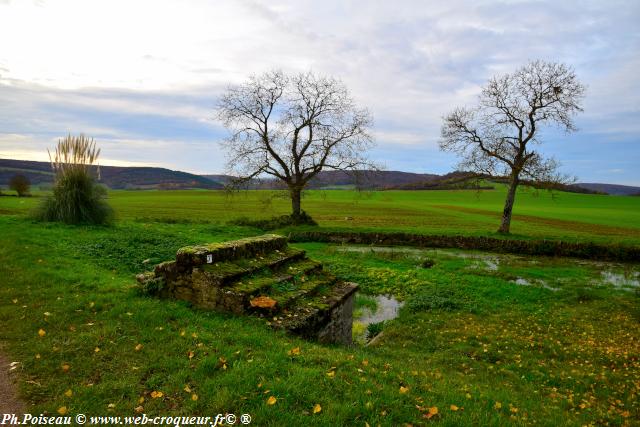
column 469, row 340
column 537, row 214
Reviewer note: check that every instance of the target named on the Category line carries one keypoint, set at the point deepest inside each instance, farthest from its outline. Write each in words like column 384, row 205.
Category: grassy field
column 566, row 216
column 485, row 339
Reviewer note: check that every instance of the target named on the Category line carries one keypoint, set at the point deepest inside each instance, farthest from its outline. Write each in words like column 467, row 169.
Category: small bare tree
column 291, row 127
column 499, row 135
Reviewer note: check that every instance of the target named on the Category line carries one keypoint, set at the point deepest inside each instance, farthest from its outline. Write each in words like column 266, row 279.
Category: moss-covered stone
column 233, row 276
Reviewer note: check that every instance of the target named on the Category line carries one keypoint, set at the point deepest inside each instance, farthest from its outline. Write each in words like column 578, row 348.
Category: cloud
column 144, row 71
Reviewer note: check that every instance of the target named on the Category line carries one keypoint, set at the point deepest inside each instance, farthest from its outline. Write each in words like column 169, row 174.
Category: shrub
column 20, row 184
column 374, row 329
column 276, row 222
column 76, row 198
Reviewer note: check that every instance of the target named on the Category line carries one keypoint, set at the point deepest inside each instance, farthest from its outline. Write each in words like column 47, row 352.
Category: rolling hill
column 613, row 189
column 115, row 177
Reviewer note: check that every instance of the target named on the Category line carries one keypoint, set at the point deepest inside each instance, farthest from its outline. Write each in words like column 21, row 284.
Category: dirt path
column 9, row 403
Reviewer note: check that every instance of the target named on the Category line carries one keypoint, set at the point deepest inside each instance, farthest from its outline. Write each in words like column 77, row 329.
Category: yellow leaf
column 331, row 374
column 97, row 349
column 66, row 367
column 263, row 302
column 317, row 408
column 62, row 410
column 433, row 410
column 139, row 409
column 190, row 354
column 404, row 389
column 271, row 400
column 187, row 388
column 141, row 400
column 139, row 347
column 111, row 405
column 68, row 393
column 156, row 394
column 454, row 408
column 498, row 405
column 294, row 351
column 365, row 362
column 194, row 397
column 42, row 333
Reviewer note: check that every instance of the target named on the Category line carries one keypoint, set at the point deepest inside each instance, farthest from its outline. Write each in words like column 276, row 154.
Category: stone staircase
column 260, row 276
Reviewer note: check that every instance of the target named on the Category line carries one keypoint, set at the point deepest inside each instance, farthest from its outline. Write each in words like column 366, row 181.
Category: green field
column 567, row 216
column 486, row 339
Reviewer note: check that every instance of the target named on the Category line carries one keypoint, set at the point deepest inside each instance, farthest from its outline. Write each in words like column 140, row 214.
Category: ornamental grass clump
column 76, row 198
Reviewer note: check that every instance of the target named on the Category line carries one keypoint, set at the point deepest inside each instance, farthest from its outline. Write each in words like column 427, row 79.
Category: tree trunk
column 295, row 200
column 505, row 225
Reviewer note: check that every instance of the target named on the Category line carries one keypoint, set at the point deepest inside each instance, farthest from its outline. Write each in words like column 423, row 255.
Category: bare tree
column 498, row 136
column 291, row 127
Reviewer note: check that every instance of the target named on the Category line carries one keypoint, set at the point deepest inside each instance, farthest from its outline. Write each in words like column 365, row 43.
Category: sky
column 143, row 77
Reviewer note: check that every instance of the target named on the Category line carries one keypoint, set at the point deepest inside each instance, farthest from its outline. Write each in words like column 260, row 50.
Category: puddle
column 380, row 249
column 524, row 282
column 388, row 308
column 620, row 280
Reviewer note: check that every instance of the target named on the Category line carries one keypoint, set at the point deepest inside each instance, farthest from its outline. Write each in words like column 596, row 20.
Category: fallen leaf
column 62, row 410
column 498, row 405
column 271, row 400
column 156, row 394
column 111, row 405
column 139, row 347
column 194, row 397
column 403, row 389
column 331, row 374
column 263, row 302
column 294, row 351
column 433, row 410
column 66, row 367
column 42, row 333
column 453, row 407
column 190, row 354
column 317, row 408
column 68, row 393
column 187, row 389
column 139, row 409
column 141, row 400
column 96, row 350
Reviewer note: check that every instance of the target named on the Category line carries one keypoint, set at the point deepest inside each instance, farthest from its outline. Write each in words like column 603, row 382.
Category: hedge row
column 593, row 251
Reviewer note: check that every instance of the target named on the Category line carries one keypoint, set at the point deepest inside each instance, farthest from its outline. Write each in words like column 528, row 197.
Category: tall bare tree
column 498, row 137
column 291, row 127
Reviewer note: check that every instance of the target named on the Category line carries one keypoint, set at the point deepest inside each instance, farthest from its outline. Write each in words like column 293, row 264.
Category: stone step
column 290, row 292
column 264, row 279
column 236, row 297
column 315, row 314
column 191, row 256
column 227, row 272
